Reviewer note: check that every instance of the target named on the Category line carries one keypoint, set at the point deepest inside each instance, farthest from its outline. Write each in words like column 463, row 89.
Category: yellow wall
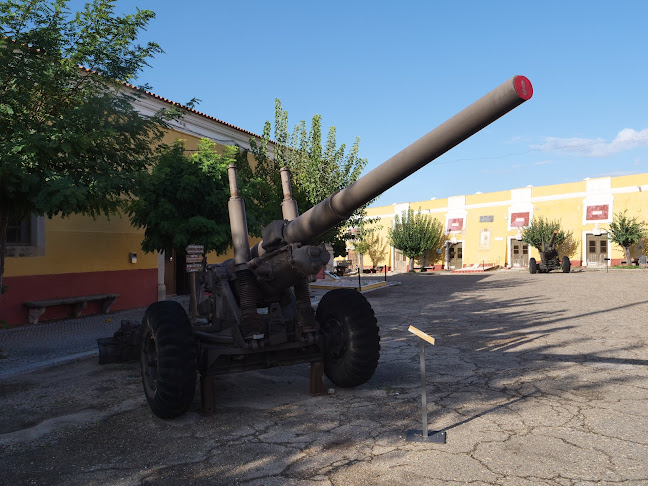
column 472, row 250
column 570, row 213
column 83, row 244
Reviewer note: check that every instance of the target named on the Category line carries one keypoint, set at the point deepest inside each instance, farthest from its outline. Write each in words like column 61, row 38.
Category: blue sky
column 389, row 72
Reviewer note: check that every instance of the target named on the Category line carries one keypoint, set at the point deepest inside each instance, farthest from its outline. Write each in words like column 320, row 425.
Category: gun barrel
column 339, row 206
column 553, row 239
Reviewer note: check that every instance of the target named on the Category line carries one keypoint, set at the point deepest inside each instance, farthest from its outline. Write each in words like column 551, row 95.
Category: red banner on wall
column 599, row 212
column 518, row 220
column 455, row 224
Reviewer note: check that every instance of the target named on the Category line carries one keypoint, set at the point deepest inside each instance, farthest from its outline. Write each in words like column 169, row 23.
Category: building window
column 26, row 237
column 19, row 232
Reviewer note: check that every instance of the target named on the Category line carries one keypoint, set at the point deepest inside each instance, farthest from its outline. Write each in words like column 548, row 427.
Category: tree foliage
column 70, row 139
column 363, row 244
column 539, row 232
column 414, row 233
column 184, row 199
column 376, row 248
column 365, row 240
column 626, row 231
column 317, row 171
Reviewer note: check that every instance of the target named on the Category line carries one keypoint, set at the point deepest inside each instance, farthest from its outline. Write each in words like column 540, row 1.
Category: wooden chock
column 317, row 378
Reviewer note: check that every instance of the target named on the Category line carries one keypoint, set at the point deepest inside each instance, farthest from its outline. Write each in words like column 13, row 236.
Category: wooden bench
column 37, row 307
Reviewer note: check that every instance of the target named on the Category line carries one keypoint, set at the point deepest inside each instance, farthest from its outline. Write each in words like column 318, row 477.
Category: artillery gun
column 254, row 311
column 549, row 259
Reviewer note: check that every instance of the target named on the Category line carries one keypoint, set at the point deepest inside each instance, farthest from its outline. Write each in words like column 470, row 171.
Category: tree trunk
column 627, row 254
column 411, row 264
column 360, row 262
column 4, row 223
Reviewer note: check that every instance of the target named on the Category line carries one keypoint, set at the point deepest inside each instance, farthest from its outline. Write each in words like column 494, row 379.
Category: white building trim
column 195, row 124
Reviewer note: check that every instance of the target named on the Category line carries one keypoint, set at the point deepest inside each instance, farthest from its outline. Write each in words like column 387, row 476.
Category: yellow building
column 78, row 256
column 483, row 230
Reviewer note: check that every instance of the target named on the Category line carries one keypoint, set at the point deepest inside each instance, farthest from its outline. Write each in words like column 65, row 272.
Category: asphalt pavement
column 536, row 379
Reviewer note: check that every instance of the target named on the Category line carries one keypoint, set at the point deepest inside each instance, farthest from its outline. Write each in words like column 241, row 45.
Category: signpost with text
column 423, row 435
column 194, row 262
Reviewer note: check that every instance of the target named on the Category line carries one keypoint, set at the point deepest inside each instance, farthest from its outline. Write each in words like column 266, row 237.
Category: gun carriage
column 254, row 311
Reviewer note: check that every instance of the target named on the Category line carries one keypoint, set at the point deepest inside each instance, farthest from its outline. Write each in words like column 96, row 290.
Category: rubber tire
column 353, row 342
column 533, row 266
column 566, row 264
column 170, row 381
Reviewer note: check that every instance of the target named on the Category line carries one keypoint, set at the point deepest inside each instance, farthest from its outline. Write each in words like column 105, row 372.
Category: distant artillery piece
column 549, row 259
column 343, row 267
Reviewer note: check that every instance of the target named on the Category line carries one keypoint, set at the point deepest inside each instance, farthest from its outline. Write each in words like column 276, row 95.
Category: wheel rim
column 336, row 334
column 150, row 361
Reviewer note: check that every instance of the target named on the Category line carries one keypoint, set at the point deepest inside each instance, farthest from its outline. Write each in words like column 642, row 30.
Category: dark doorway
column 169, row 272
column 181, row 278
column 175, row 273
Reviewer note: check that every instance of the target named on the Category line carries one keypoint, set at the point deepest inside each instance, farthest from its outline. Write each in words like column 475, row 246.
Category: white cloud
column 626, row 139
column 544, row 162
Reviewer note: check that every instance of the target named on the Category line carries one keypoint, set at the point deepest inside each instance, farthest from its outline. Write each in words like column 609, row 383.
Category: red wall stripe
column 136, row 288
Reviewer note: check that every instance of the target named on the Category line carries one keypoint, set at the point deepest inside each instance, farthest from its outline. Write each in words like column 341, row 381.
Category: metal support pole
column 424, row 435
column 385, row 273
column 359, row 283
column 423, row 389
column 193, row 297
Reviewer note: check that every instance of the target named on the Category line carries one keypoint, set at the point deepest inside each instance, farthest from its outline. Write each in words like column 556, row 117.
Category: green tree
column 414, row 233
column 364, row 239
column 377, row 248
column 70, row 139
column 626, row 231
column 184, row 200
column 539, row 232
column 317, row 171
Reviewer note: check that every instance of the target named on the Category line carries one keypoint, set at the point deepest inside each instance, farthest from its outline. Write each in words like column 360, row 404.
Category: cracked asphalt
column 537, row 379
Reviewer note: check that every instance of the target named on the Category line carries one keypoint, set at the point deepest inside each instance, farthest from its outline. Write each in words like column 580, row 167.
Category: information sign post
column 424, row 435
column 194, row 261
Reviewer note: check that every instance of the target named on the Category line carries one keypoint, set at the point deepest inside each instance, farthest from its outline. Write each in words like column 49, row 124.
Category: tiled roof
column 175, row 103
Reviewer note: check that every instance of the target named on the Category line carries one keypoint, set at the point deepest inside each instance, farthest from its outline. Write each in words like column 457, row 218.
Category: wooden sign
column 194, row 249
column 421, row 334
column 194, row 267
column 194, row 259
